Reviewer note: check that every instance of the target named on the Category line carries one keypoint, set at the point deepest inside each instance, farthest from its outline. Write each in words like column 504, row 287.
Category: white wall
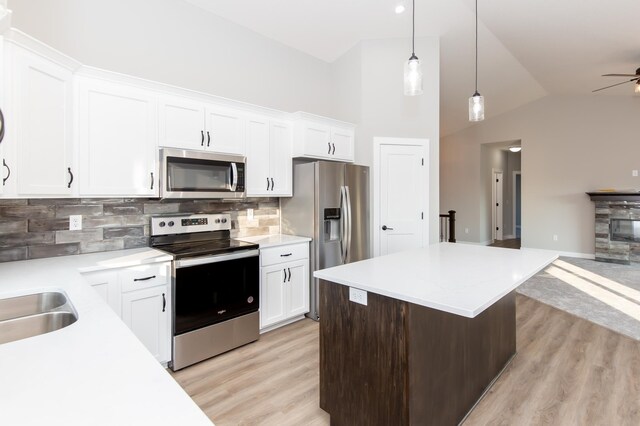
column 174, row 42
column 570, row 145
column 369, row 92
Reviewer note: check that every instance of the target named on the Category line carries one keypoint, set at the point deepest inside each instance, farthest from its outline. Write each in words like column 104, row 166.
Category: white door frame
column 377, row 143
column 494, row 199
column 516, row 173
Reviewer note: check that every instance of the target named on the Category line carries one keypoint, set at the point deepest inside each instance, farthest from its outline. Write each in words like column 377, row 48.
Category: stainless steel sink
column 33, row 315
column 34, row 325
column 30, row 304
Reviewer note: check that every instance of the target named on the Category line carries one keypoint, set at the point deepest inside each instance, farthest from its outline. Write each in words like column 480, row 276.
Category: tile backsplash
column 35, row 228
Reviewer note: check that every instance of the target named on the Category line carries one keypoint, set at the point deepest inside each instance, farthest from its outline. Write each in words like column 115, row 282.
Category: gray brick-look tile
column 13, row 254
column 13, row 226
column 136, row 242
column 40, row 225
column 158, row 208
column 27, row 212
column 13, row 202
column 132, row 231
column 133, row 208
column 79, row 236
column 22, row 239
column 54, row 250
column 99, row 246
column 82, row 209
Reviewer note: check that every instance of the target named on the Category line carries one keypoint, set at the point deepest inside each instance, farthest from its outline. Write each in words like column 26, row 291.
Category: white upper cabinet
column 323, row 138
column 268, row 158
column 189, row 124
column 117, row 139
column 4, row 167
column 181, row 123
column 41, row 102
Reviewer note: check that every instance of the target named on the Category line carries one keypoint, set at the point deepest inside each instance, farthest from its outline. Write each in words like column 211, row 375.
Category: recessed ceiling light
column 515, row 148
column 399, row 9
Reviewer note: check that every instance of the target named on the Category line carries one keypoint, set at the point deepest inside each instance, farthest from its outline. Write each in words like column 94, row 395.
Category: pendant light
column 412, row 70
column 476, row 102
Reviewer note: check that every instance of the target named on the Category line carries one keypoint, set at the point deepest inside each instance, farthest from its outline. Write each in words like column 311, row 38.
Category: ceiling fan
column 636, row 78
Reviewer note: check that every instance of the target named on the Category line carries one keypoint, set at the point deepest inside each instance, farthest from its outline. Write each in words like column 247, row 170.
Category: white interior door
column 497, row 201
column 402, row 189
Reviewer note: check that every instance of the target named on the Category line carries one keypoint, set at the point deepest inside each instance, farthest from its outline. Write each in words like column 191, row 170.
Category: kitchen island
column 416, row 338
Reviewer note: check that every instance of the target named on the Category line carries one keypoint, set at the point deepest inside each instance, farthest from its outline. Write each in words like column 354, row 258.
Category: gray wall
column 570, row 145
column 174, row 42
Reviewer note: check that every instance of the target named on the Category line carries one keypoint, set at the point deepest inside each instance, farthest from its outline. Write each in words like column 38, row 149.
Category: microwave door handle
column 234, row 177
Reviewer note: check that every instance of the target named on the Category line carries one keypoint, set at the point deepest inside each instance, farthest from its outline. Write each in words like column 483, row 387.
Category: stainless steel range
column 215, row 285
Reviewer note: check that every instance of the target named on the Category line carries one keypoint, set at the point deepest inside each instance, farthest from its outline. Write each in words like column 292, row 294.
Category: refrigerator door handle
column 343, row 224
column 349, row 222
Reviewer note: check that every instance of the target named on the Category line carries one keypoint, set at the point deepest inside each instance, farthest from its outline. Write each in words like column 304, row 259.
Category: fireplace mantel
column 614, row 196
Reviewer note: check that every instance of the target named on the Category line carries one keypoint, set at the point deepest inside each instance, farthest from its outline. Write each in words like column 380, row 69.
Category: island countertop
column 460, row 279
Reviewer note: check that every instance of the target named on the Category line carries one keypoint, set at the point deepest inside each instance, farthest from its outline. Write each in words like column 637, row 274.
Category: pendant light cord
column 413, row 31
column 476, row 46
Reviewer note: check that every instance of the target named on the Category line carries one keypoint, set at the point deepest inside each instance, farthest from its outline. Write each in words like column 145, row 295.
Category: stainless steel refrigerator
column 330, row 204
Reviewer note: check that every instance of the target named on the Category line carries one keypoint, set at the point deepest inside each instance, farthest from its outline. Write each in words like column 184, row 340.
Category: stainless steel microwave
column 198, row 174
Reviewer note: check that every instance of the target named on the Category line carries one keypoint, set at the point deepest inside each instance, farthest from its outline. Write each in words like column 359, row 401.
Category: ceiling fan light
column 637, row 89
column 412, row 77
column 515, row 148
column 476, row 107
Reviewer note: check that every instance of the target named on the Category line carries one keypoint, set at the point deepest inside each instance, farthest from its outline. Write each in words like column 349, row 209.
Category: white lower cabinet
column 284, row 284
column 140, row 296
column 146, row 313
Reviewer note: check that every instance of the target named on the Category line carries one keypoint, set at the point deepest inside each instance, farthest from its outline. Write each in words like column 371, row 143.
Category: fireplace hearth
column 617, row 226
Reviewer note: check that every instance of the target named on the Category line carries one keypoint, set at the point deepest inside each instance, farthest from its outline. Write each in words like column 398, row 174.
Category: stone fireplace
column 617, row 226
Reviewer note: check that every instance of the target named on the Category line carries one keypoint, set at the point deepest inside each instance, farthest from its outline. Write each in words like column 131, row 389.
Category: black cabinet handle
column 164, row 302
column 201, row 137
column 272, row 184
column 286, row 255
column 4, row 180
column 144, row 279
column 208, row 138
column 289, row 274
column 284, row 271
column 70, row 177
column 152, row 180
column 334, row 149
column 329, row 143
column 267, row 184
column 1, row 126
column 385, row 227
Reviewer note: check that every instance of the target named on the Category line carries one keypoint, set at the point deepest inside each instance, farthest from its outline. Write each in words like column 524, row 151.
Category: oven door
column 196, row 174
column 212, row 289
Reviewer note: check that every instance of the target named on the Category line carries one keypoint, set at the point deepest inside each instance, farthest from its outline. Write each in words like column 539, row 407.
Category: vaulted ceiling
column 528, row 48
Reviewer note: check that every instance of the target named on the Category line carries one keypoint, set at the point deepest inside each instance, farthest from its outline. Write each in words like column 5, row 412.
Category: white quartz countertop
column 266, row 241
column 456, row 278
column 93, row 372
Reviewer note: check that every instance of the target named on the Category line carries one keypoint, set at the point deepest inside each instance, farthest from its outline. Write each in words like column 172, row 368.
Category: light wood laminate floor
column 568, row 371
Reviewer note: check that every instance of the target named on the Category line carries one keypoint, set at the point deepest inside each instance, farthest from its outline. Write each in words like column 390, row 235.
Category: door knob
column 385, row 227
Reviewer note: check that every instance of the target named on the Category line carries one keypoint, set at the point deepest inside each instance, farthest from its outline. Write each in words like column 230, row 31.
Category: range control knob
column 171, row 223
column 161, row 224
column 217, row 220
column 224, row 220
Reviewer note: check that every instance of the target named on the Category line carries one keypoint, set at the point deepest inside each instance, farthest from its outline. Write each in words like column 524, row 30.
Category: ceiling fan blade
column 620, row 75
column 617, row 84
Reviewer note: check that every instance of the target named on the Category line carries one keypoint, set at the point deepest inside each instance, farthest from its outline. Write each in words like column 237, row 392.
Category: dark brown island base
column 397, row 363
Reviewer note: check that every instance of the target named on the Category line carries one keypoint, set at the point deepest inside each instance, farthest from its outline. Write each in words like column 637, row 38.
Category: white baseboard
column 569, row 253
column 508, row 237
column 475, row 243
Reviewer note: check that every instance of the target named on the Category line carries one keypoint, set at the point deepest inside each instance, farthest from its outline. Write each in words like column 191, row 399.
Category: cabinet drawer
column 144, row 276
column 275, row 255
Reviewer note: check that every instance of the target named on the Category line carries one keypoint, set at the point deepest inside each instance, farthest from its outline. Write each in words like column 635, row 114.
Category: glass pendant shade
column 476, row 107
column 412, row 77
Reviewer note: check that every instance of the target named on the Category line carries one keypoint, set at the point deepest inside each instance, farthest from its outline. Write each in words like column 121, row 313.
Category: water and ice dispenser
column 332, row 224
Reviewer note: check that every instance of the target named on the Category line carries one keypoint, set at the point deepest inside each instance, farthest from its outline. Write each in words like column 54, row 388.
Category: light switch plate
column 358, row 296
column 249, row 214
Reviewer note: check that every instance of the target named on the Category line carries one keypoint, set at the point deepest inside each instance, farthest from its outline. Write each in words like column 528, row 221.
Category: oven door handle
column 185, row 263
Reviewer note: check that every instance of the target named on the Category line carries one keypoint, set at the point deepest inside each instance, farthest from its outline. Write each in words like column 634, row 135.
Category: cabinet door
column 181, row 124
column 3, row 161
column 224, row 131
column 146, row 313
column 106, row 284
column 42, row 100
column 316, row 140
column 343, row 141
column 273, row 307
column 118, row 139
column 298, row 287
column 280, row 158
column 258, row 153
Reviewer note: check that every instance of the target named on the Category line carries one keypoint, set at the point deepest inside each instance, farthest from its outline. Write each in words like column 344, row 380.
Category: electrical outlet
column 358, row 296
column 466, row 230
column 75, row 222
column 249, row 214
column 555, row 237
column 634, row 173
